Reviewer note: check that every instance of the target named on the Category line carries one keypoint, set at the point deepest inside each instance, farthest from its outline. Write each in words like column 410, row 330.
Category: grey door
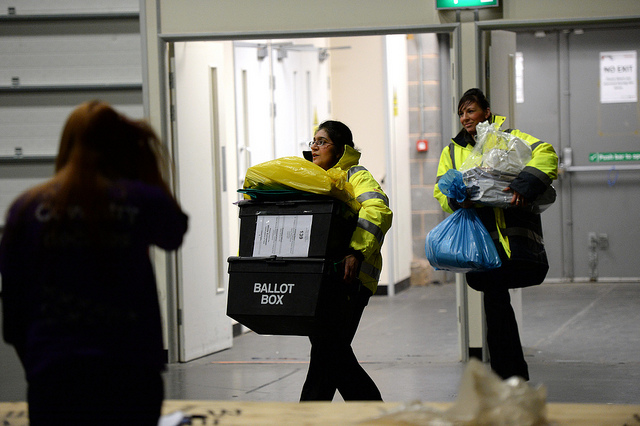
column 592, row 231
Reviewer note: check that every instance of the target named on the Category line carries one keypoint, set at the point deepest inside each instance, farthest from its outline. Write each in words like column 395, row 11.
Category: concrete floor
column 581, row 340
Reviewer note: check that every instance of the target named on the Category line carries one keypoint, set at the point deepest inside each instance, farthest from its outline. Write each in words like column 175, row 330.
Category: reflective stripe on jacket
column 512, row 223
column 374, row 217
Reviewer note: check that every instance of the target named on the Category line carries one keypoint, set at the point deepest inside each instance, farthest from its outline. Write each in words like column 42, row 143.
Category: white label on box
column 282, row 236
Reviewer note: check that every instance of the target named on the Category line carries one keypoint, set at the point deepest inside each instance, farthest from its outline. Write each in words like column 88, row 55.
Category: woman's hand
column 517, row 199
column 351, row 268
column 466, row 204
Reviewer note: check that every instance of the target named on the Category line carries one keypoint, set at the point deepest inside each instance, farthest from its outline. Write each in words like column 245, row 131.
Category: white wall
column 358, row 97
column 365, row 81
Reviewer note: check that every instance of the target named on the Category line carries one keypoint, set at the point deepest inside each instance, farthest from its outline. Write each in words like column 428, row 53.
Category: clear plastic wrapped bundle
column 494, row 163
column 496, row 160
column 497, row 150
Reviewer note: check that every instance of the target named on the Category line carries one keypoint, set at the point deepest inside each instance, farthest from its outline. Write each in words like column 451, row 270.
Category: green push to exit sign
column 605, row 157
column 464, row 4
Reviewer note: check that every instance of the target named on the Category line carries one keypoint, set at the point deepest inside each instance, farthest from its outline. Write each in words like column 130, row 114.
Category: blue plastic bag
column 452, row 185
column 461, row 243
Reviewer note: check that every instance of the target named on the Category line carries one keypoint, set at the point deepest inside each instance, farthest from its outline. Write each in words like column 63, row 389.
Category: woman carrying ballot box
column 333, row 365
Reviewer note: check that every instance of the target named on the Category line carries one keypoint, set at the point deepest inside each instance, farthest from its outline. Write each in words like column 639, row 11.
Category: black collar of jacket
column 464, row 138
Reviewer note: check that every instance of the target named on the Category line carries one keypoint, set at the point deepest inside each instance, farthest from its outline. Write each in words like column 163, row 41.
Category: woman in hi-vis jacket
column 333, row 365
column 516, row 232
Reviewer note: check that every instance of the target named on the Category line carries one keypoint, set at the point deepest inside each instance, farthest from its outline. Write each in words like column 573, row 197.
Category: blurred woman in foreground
column 79, row 298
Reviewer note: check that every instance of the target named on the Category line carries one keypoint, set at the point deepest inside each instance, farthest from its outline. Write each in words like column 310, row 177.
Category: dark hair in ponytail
column 473, row 95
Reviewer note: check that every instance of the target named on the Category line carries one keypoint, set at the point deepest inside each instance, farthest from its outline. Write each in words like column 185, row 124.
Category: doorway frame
column 165, row 57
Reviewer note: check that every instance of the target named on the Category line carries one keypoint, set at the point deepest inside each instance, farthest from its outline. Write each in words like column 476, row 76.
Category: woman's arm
column 164, row 223
column 374, row 216
column 539, row 172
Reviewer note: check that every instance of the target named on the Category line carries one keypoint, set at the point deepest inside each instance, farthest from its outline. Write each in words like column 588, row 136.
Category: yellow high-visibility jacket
column 374, row 217
column 517, row 231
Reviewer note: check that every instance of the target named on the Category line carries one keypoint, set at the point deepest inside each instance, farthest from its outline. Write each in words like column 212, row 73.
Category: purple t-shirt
column 74, row 290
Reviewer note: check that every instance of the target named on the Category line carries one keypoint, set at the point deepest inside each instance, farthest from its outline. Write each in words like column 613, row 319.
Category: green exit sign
column 464, row 4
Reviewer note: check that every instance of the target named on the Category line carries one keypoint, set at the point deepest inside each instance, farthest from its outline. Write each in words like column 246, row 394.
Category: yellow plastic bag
column 303, row 175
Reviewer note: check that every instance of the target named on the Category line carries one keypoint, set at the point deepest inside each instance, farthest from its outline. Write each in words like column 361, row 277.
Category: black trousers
column 503, row 338
column 96, row 393
column 333, row 365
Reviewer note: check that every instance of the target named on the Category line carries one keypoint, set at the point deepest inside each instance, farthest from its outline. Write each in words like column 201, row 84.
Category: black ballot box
column 283, row 296
column 286, row 277
column 312, row 227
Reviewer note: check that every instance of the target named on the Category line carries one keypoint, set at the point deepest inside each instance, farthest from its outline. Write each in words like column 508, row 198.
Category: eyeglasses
column 320, row 143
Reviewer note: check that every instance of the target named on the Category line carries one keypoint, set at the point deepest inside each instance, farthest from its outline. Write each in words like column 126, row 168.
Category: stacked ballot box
column 289, row 263
column 279, row 295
